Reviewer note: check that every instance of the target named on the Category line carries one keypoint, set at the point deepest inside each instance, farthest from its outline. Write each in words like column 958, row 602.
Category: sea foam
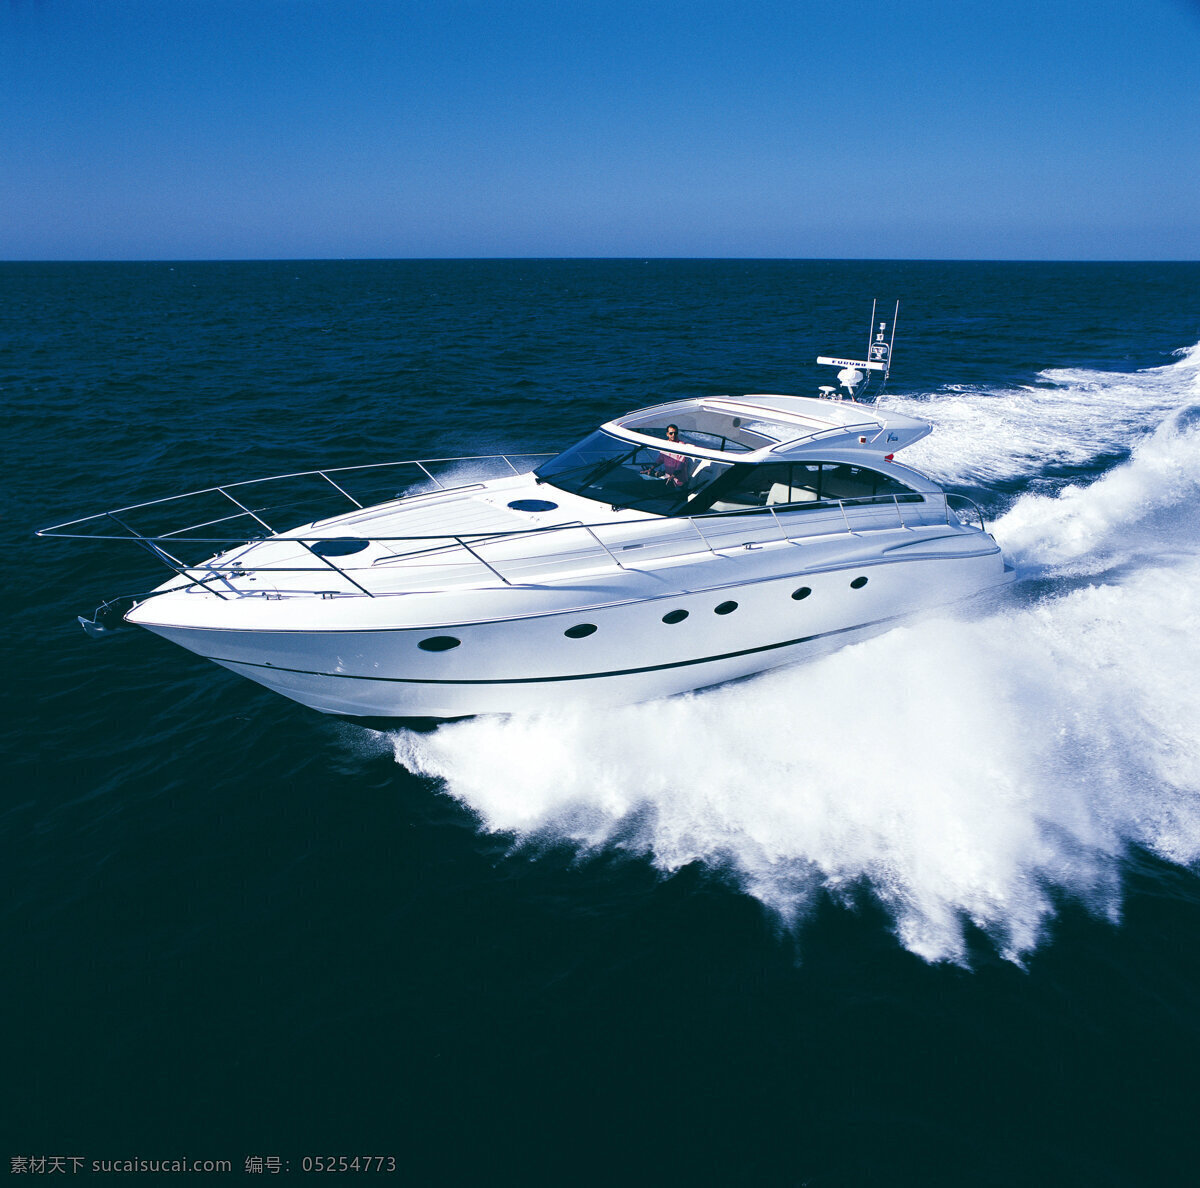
column 972, row 767
column 990, row 435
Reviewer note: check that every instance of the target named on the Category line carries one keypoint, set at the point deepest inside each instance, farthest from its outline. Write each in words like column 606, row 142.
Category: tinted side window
column 807, row 482
column 885, row 485
column 839, row 481
column 757, row 487
column 847, row 482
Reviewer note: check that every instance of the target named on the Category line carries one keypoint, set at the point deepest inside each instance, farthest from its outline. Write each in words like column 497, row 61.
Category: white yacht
column 675, row 547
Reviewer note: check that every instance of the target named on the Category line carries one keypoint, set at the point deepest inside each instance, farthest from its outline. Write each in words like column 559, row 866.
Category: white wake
column 968, row 768
column 988, row 435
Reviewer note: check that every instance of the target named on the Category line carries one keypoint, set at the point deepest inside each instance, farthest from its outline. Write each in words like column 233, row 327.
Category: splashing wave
column 987, row 435
column 965, row 768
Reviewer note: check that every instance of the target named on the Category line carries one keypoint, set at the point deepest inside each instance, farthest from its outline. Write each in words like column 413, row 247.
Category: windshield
column 619, row 473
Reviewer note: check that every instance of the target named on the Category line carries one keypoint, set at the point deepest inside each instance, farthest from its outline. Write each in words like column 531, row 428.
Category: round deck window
column 801, row 594
column 439, row 643
column 726, row 608
column 580, row 630
column 532, row 505
column 675, row 616
column 858, row 583
column 338, row 546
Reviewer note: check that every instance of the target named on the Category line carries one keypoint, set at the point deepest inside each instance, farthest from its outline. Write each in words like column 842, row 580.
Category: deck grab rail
column 216, row 575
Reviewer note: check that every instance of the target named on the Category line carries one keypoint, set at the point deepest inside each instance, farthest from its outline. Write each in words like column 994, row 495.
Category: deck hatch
column 338, row 546
column 532, row 505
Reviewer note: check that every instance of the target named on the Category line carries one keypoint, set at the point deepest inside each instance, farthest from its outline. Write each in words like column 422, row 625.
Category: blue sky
column 960, row 129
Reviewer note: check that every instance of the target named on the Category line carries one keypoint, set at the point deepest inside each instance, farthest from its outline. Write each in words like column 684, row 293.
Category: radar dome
column 850, row 378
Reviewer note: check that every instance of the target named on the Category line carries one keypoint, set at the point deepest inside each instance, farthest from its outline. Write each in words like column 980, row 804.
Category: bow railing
column 504, row 554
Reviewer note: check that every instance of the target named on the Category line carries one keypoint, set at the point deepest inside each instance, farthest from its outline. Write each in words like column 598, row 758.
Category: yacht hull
column 673, row 548
column 475, row 661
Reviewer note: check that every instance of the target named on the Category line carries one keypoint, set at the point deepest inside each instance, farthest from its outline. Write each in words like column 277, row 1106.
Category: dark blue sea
column 925, row 911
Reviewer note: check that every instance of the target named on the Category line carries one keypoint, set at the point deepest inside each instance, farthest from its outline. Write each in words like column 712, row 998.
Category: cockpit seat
column 782, row 493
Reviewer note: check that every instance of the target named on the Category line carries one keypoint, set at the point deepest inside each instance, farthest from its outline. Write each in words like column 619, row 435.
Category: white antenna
column 854, row 372
column 878, row 350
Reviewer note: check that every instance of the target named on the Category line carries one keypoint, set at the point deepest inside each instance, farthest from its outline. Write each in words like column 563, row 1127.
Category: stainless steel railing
column 713, row 532
column 225, row 489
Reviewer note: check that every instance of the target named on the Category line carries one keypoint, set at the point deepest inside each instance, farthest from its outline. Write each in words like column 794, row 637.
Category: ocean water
column 924, row 911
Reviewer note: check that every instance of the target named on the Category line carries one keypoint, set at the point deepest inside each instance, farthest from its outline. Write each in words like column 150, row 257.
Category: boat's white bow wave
column 961, row 769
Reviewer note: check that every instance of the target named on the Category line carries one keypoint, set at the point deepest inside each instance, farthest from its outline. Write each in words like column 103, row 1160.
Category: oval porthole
column 338, row 546
column 580, row 630
column 802, row 593
column 858, row 583
column 726, row 608
column 532, row 505
column 439, row 643
column 675, row 616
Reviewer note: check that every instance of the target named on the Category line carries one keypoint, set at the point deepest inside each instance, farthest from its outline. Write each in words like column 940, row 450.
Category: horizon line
column 597, row 259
